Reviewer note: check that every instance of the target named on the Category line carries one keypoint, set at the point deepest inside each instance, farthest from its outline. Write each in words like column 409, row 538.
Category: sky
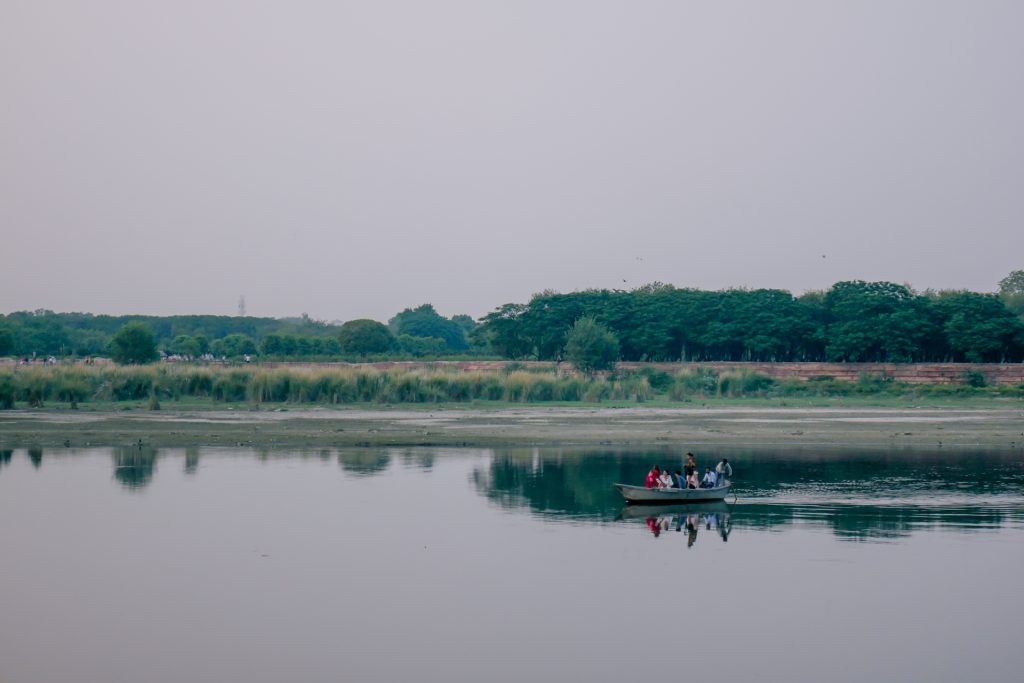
column 351, row 159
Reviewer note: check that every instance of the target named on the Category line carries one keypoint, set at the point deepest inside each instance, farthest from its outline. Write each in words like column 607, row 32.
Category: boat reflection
column 713, row 517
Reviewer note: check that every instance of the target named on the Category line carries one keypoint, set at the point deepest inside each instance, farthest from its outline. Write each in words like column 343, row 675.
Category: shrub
column 974, row 378
column 737, row 383
column 590, row 346
column 134, row 343
column 7, row 390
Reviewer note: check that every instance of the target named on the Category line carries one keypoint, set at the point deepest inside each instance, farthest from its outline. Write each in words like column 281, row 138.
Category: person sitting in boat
column 680, row 481
column 652, row 478
column 665, row 480
column 709, row 481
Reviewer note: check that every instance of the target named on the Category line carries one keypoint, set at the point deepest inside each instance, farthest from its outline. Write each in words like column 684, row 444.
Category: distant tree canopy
column 6, row 341
column 852, row 321
column 134, row 343
column 424, row 321
column 1012, row 283
column 365, row 336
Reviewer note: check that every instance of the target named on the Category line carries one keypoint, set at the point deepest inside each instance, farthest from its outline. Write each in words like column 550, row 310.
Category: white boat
column 641, row 494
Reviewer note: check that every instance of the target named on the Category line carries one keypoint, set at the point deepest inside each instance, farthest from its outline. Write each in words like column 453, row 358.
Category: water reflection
column 713, row 518
column 857, row 495
column 134, row 466
column 364, row 462
column 191, row 460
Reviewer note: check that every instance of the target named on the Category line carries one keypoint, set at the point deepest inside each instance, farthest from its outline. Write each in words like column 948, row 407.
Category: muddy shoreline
column 543, row 426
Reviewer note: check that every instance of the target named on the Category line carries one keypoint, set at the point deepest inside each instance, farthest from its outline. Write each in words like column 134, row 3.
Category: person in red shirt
column 652, row 478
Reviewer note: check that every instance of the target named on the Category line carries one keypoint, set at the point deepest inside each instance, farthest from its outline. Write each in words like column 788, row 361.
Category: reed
column 38, row 385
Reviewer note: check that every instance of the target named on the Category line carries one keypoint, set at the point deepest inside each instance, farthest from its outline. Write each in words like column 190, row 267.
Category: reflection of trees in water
column 191, row 460
column 36, row 456
column 556, row 482
column 5, row 456
column 854, row 487
column 364, row 461
column 134, row 467
column 419, row 458
column 857, row 522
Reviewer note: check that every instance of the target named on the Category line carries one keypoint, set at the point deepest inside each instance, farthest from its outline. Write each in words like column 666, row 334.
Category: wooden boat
column 640, row 494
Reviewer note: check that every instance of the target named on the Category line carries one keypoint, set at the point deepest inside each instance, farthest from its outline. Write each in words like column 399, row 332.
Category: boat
column 641, row 494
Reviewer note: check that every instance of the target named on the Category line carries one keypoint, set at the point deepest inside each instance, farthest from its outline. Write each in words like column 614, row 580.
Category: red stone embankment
column 1010, row 374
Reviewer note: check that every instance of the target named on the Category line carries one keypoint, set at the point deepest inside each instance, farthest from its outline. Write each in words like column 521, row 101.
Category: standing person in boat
column 690, row 469
column 723, row 470
column 652, row 478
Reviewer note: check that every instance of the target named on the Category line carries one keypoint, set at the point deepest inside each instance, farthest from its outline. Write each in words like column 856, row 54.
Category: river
column 521, row 564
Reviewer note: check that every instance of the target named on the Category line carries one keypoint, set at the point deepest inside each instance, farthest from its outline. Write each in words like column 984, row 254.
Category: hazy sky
column 349, row 159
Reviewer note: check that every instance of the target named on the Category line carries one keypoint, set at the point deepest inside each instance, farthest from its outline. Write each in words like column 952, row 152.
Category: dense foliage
column 590, row 346
column 853, row 321
column 134, row 343
column 365, row 336
column 42, row 333
column 424, row 321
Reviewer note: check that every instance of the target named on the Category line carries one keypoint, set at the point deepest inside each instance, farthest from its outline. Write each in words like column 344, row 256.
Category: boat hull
column 640, row 494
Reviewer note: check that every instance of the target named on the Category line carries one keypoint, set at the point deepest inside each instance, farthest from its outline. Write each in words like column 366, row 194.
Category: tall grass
column 38, row 386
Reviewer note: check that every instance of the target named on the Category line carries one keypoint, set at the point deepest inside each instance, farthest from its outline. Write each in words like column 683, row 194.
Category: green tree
column 237, row 345
column 590, row 346
column 1013, row 283
column 466, row 322
column 424, row 321
column 365, row 336
column 978, row 328
column 876, row 322
column 273, row 345
column 6, row 341
column 134, row 343
column 184, row 345
column 420, row 346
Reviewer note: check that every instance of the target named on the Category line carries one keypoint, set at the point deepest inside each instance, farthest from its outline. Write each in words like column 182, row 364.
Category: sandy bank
column 534, row 425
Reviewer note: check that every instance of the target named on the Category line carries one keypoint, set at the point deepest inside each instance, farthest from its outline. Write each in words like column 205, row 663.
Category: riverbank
column 994, row 424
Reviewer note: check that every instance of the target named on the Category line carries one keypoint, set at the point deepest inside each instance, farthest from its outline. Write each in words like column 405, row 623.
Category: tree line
column 413, row 332
column 853, row 321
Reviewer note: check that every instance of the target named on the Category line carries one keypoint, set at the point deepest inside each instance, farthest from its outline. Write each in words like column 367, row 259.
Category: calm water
column 506, row 565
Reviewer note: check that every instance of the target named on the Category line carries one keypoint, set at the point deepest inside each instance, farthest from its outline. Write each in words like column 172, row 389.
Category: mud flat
column 523, row 426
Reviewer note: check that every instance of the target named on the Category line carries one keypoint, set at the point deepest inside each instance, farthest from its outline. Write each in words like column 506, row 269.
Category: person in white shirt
column 724, row 471
column 665, row 480
column 709, row 481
